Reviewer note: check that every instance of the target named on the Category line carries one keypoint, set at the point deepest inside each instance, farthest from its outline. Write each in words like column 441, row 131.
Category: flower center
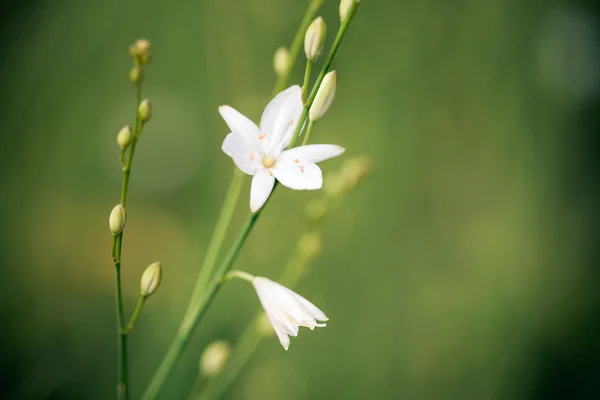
column 268, row 162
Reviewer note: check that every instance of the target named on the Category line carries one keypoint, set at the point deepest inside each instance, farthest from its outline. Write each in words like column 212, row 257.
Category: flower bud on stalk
column 345, row 6
column 124, row 137
column 116, row 220
column 140, row 51
column 145, row 111
column 281, row 60
column 324, row 96
column 136, row 75
column 214, row 357
column 314, row 38
column 151, row 279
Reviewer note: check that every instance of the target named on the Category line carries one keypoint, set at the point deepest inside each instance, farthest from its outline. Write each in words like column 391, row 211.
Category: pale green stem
column 309, row 128
column 122, row 383
column 136, row 314
column 238, row 274
column 309, row 65
column 297, row 43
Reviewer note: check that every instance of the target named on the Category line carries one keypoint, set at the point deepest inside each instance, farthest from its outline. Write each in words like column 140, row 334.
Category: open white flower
column 261, row 152
column 286, row 309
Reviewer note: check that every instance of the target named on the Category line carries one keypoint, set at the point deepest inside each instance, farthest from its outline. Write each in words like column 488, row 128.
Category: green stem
column 122, row 383
column 192, row 319
column 136, row 314
column 309, row 65
column 297, row 43
column 238, row 274
column 309, row 128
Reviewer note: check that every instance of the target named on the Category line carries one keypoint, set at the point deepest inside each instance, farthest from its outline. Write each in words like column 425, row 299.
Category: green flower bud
column 116, row 220
column 315, row 38
column 214, row 358
column 345, row 6
column 324, row 96
column 310, row 246
column 145, row 111
column 281, row 60
column 151, row 279
column 124, row 137
column 136, row 75
column 140, row 51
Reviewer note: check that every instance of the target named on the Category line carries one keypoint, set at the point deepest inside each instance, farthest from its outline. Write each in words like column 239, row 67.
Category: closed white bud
column 124, row 137
column 314, row 38
column 151, row 279
column 324, row 96
column 214, row 357
column 281, row 60
column 116, row 220
column 145, row 110
column 345, row 6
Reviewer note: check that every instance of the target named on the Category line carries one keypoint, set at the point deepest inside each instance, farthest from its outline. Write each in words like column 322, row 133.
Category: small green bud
column 309, row 246
column 151, row 279
column 315, row 209
column 116, row 220
column 124, row 137
column 145, row 111
column 324, row 96
column 315, row 38
column 345, row 6
column 214, row 358
column 136, row 75
column 281, row 60
column 140, row 51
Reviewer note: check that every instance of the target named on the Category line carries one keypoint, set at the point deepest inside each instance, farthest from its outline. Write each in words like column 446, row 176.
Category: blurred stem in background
column 308, row 248
column 140, row 52
column 197, row 308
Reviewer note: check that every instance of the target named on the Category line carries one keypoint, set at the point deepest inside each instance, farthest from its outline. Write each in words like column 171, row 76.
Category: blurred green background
column 465, row 267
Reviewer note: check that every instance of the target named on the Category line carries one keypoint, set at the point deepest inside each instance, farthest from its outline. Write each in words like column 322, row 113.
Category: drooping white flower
column 261, row 151
column 286, row 309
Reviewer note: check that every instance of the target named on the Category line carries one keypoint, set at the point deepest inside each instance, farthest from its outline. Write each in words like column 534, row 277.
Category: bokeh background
column 464, row 267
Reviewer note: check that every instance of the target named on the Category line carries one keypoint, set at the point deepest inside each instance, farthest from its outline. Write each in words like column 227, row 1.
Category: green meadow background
column 464, row 267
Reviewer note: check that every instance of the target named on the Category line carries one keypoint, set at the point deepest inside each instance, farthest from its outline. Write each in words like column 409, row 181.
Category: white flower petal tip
column 262, row 151
column 287, row 310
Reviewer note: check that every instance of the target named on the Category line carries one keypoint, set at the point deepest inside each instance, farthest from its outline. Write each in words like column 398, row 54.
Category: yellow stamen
column 268, row 162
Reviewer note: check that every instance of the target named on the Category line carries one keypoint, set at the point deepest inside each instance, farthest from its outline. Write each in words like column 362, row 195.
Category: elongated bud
column 345, row 6
column 116, row 220
column 145, row 110
column 151, row 279
column 324, row 96
column 281, row 60
column 124, row 137
column 136, row 75
column 314, row 38
column 214, row 358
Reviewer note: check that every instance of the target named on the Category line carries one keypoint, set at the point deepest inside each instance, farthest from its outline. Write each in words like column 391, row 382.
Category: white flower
column 261, row 152
column 286, row 310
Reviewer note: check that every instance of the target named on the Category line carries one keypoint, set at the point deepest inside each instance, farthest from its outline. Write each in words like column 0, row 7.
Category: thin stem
column 192, row 319
column 238, row 274
column 136, row 314
column 123, row 382
column 309, row 128
column 297, row 43
column 309, row 65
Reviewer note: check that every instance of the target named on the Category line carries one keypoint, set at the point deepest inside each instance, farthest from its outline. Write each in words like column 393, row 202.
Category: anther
column 270, row 172
column 301, row 168
column 262, row 135
column 296, row 161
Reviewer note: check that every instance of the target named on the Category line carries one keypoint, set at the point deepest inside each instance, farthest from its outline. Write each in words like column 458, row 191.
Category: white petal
column 283, row 339
column 310, row 308
column 239, row 124
column 298, row 175
column 280, row 118
column 244, row 157
column 262, row 185
column 314, row 152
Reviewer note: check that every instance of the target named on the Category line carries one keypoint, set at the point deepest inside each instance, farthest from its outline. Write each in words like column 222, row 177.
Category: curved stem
column 136, row 314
